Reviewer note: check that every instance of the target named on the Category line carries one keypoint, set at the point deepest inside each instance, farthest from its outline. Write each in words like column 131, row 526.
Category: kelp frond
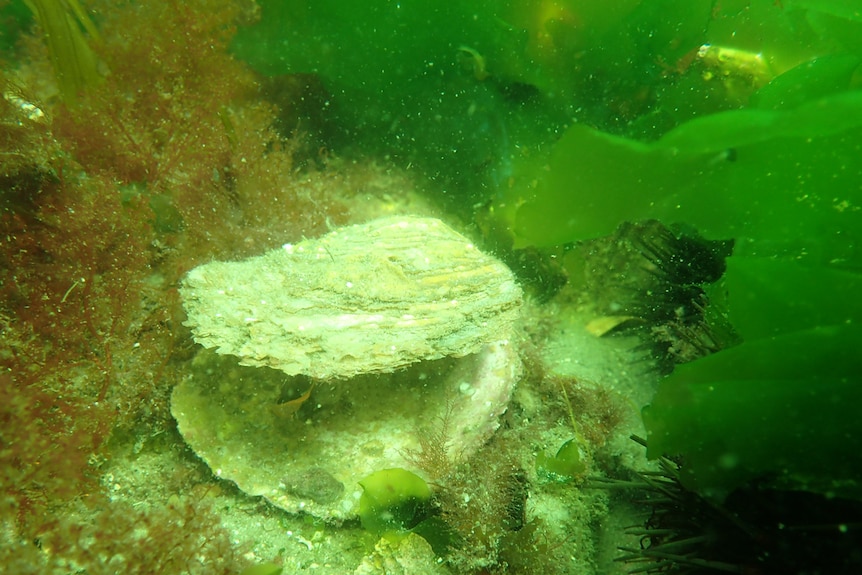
column 64, row 24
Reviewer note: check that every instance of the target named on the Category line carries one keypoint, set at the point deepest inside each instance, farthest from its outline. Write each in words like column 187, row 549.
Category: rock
column 409, row 556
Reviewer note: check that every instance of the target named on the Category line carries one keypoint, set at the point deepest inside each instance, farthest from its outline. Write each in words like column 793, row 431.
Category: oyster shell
column 368, row 298
column 420, row 321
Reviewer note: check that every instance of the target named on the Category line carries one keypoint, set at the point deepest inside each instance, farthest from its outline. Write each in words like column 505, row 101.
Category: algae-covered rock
column 409, row 556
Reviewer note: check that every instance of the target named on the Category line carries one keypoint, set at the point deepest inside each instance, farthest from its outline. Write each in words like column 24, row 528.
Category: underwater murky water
column 655, row 228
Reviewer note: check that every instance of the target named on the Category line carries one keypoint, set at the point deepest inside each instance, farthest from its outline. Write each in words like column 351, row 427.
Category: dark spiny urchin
column 755, row 531
column 654, row 280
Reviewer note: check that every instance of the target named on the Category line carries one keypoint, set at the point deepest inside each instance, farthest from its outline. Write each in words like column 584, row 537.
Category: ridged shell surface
column 368, row 298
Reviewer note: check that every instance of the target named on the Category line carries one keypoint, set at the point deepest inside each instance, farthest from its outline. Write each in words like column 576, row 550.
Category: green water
column 571, row 117
column 542, row 126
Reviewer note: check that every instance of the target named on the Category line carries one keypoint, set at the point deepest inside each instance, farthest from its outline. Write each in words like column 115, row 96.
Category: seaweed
column 64, row 23
column 88, row 310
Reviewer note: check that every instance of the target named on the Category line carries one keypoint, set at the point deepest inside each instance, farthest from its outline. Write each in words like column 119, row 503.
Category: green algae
column 773, row 179
column 263, row 569
column 782, row 411
column 781, row 407
column 566, row 465
column 393, row 501
column 769, row 297
column 779, row 175
column 64, row 24
column 462, row 89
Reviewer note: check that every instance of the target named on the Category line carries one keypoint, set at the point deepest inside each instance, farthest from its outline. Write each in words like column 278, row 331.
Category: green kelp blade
column 767, row 297
column 75, row 64
column 846, row 9
column 782, row 182
column 583, row 191
column 784, row 411
column 816, row 78
column 716, row 133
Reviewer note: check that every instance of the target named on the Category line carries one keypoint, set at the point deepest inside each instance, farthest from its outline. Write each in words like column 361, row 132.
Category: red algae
column 169, row 161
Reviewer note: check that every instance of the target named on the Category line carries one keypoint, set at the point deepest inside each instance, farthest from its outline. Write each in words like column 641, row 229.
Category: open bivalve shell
column 352, row 343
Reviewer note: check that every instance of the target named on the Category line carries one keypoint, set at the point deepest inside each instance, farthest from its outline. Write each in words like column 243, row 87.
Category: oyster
column 368, row 298
column 387, row 328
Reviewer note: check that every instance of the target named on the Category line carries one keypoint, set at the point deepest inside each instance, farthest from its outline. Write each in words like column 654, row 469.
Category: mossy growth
column 101, row 209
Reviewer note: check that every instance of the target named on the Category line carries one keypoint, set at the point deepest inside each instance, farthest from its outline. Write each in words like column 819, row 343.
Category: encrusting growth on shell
column 367, row 298
column 388, row 305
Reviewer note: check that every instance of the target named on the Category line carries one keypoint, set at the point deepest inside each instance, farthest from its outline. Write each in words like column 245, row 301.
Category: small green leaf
column 393, row 500
column 263, row 569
